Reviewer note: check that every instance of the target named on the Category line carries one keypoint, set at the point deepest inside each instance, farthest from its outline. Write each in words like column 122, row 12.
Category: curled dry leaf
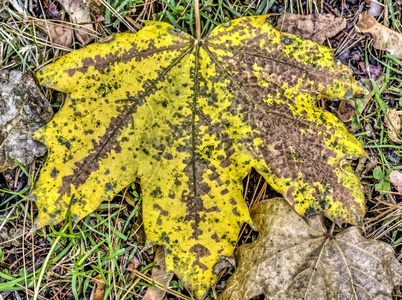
column 79, row 14
column 394, row 127
column 315, row 27
column 100, row 288
column 294, row 259
column 23, row 110
column 346, row 110
column 190, row 118
column 159, row 275
column 383, row 37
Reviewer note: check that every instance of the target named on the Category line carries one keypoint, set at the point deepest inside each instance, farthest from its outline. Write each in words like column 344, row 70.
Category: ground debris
column 393, row 123
column 79, row 14
column 10, row 237
column 383, row 37
column 160, row 276
column 60, row 35
column 23, row 110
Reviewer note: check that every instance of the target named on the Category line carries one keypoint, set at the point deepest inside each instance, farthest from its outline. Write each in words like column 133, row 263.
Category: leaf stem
column 331, row 231
column 197, row 20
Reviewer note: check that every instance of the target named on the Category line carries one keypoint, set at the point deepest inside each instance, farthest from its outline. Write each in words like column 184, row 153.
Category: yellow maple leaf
column 190, row 118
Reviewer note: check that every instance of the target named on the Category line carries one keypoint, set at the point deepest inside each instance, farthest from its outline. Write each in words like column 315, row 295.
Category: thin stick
column 197, row 20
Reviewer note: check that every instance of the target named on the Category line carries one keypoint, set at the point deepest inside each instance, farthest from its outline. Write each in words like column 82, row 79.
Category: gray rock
column 23, row 110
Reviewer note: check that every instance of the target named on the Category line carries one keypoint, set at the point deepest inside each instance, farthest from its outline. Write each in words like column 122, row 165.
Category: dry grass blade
column 117, row 15
column 161, row 286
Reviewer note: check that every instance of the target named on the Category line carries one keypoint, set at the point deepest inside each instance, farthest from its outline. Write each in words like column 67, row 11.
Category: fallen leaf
column 375, row 71
column 383, row 37
column 294, row 259
column 49, row 8
column 315, row 27
column 59, row 35
column 396, row 178
column 160, row 276
column 394, row 127
column 23, row 110
column 134, row 264
column 347, row 109
column 100, row 288
column 190, row 118
column 79, row 14
column 10, row 237
column 96, row 8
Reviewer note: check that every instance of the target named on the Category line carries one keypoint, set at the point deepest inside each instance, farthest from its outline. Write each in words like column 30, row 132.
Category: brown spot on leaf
column 163, row 212
column 200, row 251
column 88, row 131
column 215, row 238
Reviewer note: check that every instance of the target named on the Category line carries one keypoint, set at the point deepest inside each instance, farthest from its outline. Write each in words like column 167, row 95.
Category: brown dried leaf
column 60, row 35
column 134, row 264
column 96, row 7
column 383, row 37
column 316, row 27
column 23, row 110
column 100, row 288
column 347, row 109
column 394, row 128
column 293, row 259
column 10, row 237
column 79, row 14
column 50, row 10
column 159, row 275
column 396, row 178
